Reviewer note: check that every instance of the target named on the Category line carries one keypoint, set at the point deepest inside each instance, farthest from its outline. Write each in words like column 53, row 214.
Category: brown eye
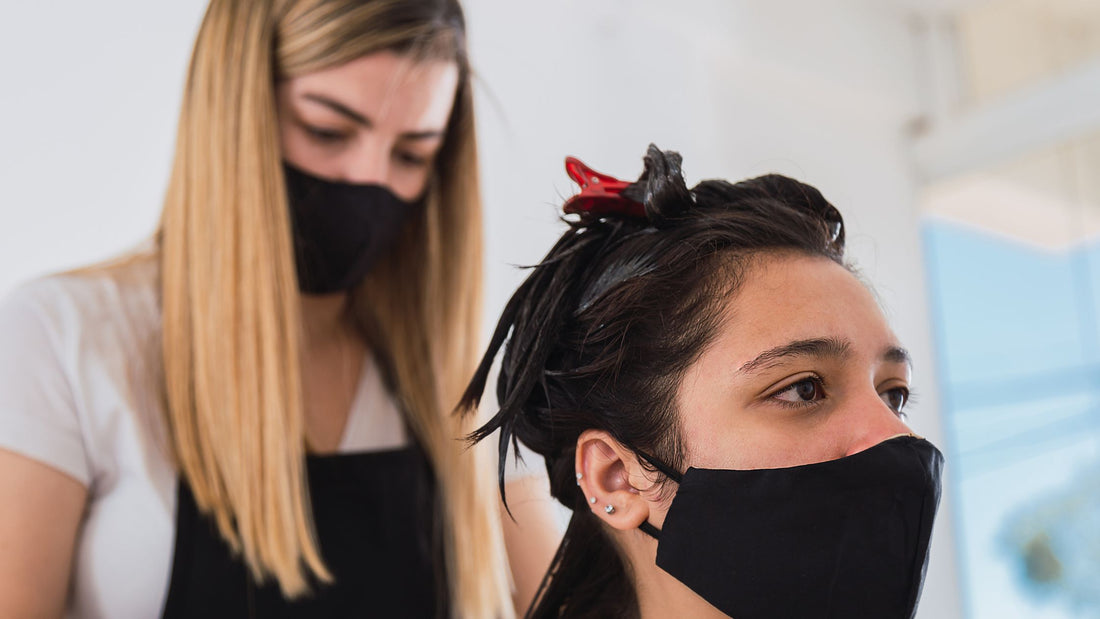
column 895, row 398
column 805, row 391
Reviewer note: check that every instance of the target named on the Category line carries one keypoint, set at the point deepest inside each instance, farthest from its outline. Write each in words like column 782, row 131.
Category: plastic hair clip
column 600, row 194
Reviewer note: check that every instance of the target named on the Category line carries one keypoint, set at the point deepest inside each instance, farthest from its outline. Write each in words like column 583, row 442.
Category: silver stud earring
column 592, row 500
column 609, row 509
column 579, row 478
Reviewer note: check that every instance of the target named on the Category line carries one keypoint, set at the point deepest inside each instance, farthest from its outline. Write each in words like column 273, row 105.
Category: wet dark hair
column 600, row 335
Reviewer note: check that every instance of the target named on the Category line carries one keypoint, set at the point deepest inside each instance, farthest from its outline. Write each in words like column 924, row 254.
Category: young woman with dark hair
column 719, row 400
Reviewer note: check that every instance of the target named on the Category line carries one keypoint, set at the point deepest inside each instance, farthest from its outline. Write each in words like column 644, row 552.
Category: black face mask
column 845, row 538
column 341, row 230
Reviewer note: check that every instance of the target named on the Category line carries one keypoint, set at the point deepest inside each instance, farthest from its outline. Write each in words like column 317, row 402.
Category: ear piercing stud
column 592, row 500
column 609, row 509
column 579, row 478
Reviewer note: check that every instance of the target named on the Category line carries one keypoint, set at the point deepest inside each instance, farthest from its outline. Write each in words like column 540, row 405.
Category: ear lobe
column 605, row 469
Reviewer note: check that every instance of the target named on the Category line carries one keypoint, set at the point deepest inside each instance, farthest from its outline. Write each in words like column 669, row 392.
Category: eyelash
column 906, row 400
column 329, row 137
column 819, row 384
column 325, row 136
column 412, row 160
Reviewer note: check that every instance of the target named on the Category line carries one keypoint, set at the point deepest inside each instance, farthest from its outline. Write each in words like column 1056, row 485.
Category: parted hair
column 232, row 329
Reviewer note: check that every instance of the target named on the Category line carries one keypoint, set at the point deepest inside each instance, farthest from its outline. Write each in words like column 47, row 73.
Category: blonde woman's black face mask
column 341, row 230
column 844, row 538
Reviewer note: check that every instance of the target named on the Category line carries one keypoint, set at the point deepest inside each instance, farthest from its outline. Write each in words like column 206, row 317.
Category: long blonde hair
column 231, row 320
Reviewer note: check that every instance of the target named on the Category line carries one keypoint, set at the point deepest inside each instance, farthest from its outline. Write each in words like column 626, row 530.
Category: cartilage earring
column 592, row 500
column 609, row 509
column 579, row 478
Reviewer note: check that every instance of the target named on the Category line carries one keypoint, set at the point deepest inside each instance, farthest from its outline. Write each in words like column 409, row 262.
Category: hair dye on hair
column 603, row 329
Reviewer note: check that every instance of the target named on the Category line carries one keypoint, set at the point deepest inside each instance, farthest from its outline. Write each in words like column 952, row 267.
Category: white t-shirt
column 79, row 372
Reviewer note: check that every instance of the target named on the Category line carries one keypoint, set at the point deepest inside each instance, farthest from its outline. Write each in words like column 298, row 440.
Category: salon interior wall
column 89, row 94
column 823, row 90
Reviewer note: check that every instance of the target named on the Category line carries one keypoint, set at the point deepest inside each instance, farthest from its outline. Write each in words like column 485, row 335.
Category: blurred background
column 960, row 138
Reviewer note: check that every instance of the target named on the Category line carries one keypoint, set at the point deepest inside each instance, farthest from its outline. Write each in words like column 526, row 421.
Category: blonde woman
column 252, row 416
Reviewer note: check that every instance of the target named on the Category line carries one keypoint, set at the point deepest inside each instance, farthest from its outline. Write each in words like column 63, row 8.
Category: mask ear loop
column 650, row 530
column 669, row 472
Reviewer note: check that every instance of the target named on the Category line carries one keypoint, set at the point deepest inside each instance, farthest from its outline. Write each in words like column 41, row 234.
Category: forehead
column 389, row 88
column 789, row 297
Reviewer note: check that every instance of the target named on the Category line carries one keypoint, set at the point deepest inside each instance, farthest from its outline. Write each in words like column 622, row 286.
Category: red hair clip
column 600, row 194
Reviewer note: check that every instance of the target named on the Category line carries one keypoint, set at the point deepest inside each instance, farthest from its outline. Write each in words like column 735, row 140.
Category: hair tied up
column 661, row 188
column 659, row 196
column 600, row 195
column 805, row 197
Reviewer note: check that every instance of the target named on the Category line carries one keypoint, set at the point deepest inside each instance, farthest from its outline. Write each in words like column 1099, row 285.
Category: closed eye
column 411, row 159
column 324, row 135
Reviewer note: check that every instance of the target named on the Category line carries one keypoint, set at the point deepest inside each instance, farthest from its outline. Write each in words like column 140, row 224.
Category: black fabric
column 341, row 230
column 839, row 539
column 375, row 515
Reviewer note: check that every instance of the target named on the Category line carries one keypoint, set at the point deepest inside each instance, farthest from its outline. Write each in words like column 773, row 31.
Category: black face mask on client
column 341, row 230
column 839, row 539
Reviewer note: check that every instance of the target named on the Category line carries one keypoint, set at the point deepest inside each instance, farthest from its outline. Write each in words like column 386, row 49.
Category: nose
column 871, row 423
column 369, row 164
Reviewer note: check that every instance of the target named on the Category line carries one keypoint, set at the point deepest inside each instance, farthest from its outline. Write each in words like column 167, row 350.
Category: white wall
column 89, row 93
column 818, row 89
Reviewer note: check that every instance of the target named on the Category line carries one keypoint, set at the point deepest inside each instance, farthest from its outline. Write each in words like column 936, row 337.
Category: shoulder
column 79, row 358
column 117, row 297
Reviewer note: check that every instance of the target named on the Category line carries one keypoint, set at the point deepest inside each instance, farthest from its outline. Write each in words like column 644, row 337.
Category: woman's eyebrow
column 340, row 109
column 361, row 119
column 824, row 347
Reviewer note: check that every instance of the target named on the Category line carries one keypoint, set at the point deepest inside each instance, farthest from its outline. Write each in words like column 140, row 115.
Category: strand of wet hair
column 526, row 330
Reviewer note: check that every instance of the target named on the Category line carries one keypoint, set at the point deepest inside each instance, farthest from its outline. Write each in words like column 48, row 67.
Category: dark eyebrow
column 339, row 108
column 360, row 119
column 817, row 347
column 897, row 354
column 826, row 347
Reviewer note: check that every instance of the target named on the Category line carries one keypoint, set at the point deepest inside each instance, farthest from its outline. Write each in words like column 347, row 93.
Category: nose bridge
column 873, row 422
column 369, row 163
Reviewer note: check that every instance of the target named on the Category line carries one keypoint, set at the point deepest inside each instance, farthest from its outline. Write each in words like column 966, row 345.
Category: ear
column 610, row 475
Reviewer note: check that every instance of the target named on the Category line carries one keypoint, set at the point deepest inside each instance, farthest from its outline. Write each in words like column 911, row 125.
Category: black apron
column 375, row 516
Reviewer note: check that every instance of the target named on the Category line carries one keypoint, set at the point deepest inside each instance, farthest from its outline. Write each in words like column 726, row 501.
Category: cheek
column 712, row 424
column 291, row 142
column 713, row 418
column 742, row 444
column 294, row 147
column 708, row 439
column 300, row 151
column 288, row 141
column 722, row 429
column 727, row 443
column 409, row 183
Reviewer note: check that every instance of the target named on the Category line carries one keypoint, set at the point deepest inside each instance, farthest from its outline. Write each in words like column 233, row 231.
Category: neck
column 659, row 595
column 325, row 318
